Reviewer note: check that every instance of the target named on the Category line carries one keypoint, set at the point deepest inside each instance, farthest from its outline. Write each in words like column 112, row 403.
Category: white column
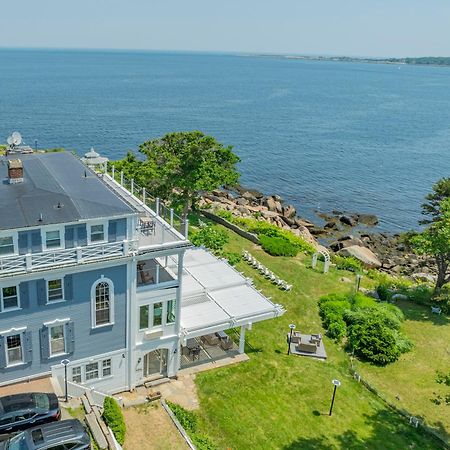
column 242, row 339
column 178, row 299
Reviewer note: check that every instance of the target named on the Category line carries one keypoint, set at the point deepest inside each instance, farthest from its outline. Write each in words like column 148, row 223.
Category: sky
column 326, row 27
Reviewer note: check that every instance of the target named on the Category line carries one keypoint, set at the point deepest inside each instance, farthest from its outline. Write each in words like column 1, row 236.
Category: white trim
column 2, row 305
column 53, row 324
column 60, row 300
column 111, row 302
column 56, row 322
column 15, row 237
column 93, row 223
column 14, row 333
column 62, row 238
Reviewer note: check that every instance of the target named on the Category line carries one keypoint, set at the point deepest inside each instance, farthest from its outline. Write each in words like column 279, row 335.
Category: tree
column 434, row 241
column 180, row 165
column 431, row 208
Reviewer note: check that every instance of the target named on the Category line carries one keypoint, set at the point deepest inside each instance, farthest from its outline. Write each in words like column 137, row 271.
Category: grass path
column 275, row 401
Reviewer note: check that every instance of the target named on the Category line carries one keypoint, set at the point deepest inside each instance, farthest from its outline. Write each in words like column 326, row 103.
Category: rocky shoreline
column 345, row 234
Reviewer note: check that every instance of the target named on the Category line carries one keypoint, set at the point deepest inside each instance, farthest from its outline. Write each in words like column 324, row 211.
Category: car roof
column 56, row 432
column 19, row 402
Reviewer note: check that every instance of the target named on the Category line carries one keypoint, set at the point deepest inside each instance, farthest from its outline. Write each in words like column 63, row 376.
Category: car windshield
column 41, row 401
column 18, row 442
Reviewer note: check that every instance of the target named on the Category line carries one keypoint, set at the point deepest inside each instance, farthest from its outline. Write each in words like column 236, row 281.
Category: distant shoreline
column 423, row 61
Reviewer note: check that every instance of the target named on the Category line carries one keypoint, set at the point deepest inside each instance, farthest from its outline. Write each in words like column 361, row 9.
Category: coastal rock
column 304, row 233
column 289, row 211
column 347, row 220
column 303, row 223
column 368, row 219
column 288, row 221
column 399, row 297
column 273, row 205
column 363, row 254
column 249, row 196
column 242, row 201
column 269, row 214
column 331, row 225
column 424, row 277
column 253, row 192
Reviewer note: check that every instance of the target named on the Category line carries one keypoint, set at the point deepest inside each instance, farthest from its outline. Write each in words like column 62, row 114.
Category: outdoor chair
column 196, row 353
column 316, row 339
column 210, row 339
column 226, row 343
column 296, row 337
column 436, row 310
column 306, row 347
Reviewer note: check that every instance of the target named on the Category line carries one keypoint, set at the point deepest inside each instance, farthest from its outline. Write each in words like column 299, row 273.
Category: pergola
column 93, row 160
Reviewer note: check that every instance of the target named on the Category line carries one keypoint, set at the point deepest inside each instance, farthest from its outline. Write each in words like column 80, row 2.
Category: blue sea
column 324, row 135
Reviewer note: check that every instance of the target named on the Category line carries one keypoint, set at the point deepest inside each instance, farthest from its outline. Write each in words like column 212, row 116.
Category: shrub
column 277, row 246
column 188, row 421
column 347, row 263
column 211, row 237
column 232, row 257
column 112, row 414
column 225, row 214
column 337, row 330
column 374, row 341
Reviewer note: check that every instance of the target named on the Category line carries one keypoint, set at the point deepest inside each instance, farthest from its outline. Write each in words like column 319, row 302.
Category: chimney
column 15, row 171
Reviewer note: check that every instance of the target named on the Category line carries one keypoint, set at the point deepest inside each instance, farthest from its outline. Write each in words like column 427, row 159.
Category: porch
column 208, row 348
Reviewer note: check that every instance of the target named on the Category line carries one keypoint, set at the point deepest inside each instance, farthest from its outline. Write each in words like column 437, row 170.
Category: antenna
column 16, row 138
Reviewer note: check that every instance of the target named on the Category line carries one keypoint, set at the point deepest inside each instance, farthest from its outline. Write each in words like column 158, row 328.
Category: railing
column 157, row 206
column 78, row 255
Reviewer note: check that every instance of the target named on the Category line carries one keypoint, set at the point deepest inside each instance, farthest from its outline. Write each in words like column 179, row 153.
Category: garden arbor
column 326, row 257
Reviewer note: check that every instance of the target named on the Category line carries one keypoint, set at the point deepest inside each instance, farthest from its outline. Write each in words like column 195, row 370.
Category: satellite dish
column 17, row 138
column 9, row 140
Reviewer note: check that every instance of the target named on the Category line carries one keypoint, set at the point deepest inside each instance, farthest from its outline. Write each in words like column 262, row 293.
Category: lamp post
column 65, row 362
column 358, row 282
column 336, row 383
column 292, row 327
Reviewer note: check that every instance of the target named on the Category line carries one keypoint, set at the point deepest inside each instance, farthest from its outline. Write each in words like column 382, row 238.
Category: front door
column 155, row 363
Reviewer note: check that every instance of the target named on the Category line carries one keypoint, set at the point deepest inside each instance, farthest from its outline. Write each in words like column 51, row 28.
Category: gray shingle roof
column 53, row 179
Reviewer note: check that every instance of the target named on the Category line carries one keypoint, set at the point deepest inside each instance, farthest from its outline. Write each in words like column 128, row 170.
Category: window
column 76, row 374
column 157, row 314
column 171, row 306
column 6, row 245
column 14, row 349
column 10, row 299
column 106, row 368
column 55, row 290
column 91, row 371
column 52, row 239
column 97, row 233
column 57, row 342
column 102, row 304
column 143, row 317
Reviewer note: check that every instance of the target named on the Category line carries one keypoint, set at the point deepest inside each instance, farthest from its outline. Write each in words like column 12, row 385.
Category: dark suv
column 63, row 435
column 21, row 411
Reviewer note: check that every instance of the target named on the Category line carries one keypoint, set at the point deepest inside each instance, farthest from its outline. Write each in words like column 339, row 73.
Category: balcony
column 151, row 272
column 12, row 265
column 158, row 225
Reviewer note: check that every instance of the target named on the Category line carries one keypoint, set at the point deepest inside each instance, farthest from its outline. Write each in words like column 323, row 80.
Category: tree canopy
column 180, row 165
column 434, row 241
column 432, row 206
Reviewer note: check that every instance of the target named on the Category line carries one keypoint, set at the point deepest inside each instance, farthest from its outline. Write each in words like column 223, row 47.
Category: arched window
column 102, row 303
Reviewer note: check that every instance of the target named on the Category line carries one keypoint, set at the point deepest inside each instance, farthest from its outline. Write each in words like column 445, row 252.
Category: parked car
column 63, row 435
column 21, row 411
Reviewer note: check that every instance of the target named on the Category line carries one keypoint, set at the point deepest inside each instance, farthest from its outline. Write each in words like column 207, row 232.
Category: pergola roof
column 92, row 158
column 217, row 297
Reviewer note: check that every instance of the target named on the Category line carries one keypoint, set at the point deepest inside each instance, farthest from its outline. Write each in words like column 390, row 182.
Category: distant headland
column 420, row 61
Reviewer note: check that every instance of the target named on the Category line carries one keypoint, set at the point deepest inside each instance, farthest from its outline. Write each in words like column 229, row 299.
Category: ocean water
column 324, row 135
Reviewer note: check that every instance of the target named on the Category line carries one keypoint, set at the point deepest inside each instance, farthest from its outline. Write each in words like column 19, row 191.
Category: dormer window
column 6, row 245
column 52, row 239
column 97, row 233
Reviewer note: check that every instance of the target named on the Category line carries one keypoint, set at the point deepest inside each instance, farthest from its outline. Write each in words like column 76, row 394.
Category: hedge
column 112, row 414
column 277, row 246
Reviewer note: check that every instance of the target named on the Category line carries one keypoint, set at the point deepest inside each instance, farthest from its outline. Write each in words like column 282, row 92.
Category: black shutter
column 23, row 293
column 41, row 292
column 2, row 352
column 27, row 347
column 45, row 342
column 70, row 337
column 68, row 287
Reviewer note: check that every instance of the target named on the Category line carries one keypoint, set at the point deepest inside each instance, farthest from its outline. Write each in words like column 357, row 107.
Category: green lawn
column 275, row 401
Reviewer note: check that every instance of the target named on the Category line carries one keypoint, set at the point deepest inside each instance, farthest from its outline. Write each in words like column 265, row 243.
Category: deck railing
column 78, row 255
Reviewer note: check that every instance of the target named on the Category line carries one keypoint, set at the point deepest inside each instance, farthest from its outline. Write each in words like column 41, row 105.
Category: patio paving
column 320, row 353
column 37, row 385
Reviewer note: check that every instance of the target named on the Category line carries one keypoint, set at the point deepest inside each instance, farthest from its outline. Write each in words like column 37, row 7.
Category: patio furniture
column 436, row 310
column 296, row 337
column 225, row 342
column 148, row 225
column 306, row 347
column 210, row 339
column 196, row 353
column 145, row 276
column 316, row 339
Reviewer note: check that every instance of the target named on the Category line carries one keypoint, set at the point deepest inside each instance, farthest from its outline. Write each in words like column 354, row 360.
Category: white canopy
column 217, row 297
